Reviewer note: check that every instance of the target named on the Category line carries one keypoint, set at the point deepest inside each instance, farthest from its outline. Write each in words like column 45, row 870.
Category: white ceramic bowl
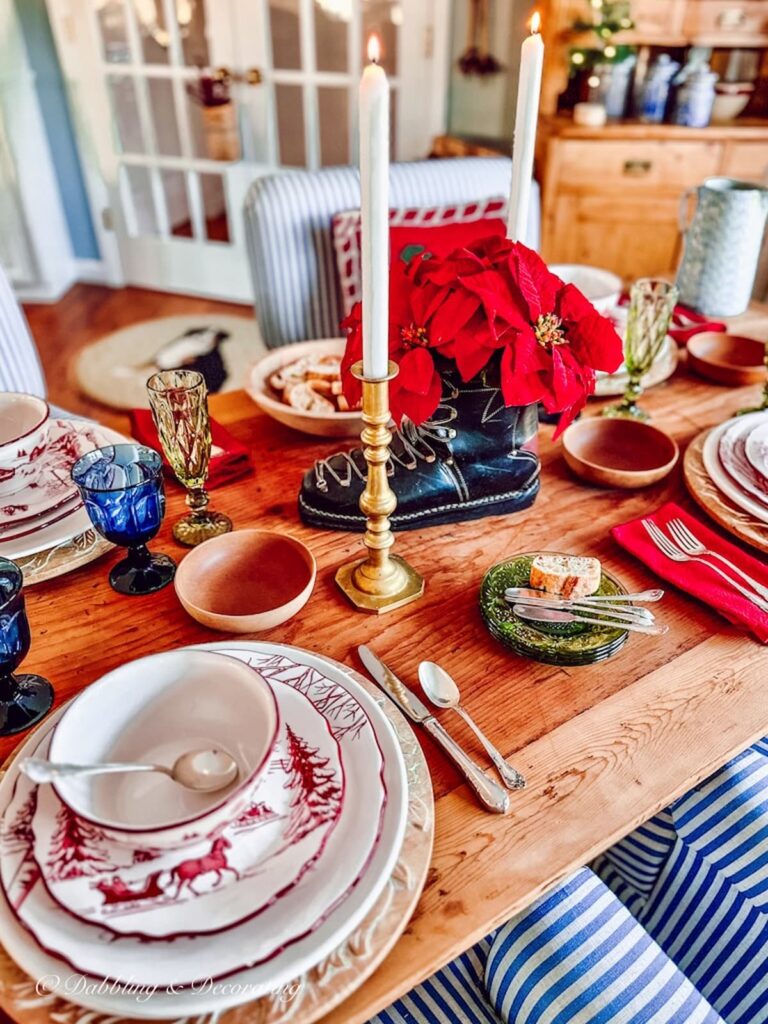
column 601, row 287
column 23, row 437
column 152, row 710
column 337, row 424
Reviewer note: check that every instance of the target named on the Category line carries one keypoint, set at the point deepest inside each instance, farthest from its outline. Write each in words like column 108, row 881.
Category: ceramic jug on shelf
column 721, row 245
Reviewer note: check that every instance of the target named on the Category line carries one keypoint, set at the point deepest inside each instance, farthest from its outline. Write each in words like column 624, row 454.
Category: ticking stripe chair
column 288, row 229
column 671, row 927
column 577, row 956
column 20, row 368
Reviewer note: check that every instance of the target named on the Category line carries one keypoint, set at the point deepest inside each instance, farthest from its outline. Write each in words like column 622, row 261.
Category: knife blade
column 490, row 793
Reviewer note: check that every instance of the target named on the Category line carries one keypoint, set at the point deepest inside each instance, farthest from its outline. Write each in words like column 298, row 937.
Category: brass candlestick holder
column 381, row 581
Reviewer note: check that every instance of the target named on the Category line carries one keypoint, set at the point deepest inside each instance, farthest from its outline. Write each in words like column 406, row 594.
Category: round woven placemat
column 724, row 512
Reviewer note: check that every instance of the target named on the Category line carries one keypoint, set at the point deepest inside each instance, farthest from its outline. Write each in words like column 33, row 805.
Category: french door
column 180, row 104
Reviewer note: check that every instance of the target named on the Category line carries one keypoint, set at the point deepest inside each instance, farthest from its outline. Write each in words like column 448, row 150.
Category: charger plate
column 63, row 558
column 725, row 512
column 319, row 990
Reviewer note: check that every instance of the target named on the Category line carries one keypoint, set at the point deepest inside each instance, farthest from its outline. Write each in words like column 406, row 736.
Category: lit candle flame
column 374, row 48
column 535, row 23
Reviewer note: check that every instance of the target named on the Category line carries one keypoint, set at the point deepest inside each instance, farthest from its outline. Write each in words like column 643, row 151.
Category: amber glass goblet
column 651, row 305
column 179, row 403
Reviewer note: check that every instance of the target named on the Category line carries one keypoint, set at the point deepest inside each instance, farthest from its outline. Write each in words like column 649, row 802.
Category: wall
column 52, row 98
column 486, row 106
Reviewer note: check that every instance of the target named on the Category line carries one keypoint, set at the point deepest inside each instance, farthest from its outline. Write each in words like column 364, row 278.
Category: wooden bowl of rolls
column 299, row 385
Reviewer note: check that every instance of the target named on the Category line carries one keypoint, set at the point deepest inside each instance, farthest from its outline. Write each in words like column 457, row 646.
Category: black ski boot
column 474, row 457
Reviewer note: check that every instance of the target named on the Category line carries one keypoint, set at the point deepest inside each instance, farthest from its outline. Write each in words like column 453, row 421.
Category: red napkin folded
column 694, row 577
column 687, row 323
column 229, row 458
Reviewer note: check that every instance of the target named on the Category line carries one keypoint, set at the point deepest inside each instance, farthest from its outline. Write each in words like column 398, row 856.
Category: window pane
column 194, row 40
column 140, row 215
column 214, row 208
column 332, row 18
column 114, row 37
column 290, row 125
column 177, row 203
column 153, row 31
column 284, row 28
column 383, row 17
column 333, row 105
column 164, row 114
column 125, row 112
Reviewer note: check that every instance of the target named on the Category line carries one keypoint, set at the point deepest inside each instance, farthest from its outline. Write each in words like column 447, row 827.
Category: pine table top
column 603, row 747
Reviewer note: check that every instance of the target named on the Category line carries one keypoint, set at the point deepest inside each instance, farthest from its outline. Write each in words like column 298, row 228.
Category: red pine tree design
column 317, row 792
column 75, row 850
column 18, row 835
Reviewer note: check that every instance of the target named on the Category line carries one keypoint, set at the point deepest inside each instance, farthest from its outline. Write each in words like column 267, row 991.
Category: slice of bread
column 569, row 576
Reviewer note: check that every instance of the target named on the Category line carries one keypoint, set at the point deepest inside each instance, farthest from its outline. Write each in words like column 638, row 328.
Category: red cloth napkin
column 694, row 577
column 229, row 458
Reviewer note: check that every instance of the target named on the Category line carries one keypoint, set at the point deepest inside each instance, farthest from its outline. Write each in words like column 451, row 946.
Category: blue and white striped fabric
column 576, row 956
column 19, row 364
column 696, row 877
column 288, row 229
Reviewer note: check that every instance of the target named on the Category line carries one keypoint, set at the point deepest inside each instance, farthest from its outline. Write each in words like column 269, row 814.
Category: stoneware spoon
column 202, row 770
column 444, row 693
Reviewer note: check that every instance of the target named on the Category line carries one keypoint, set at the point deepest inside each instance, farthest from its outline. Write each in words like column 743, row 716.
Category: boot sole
column 454, row 512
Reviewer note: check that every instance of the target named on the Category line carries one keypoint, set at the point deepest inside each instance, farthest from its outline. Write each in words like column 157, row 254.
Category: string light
column 610, row 51
column 593, row 81
column 577, row 58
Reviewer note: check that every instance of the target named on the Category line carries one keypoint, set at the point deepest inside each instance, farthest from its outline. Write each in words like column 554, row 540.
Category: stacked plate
column 735, row 457
column 246, row 909
column 45, row 522
column 572, row 644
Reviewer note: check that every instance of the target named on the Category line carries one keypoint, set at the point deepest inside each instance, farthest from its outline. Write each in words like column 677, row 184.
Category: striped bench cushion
column 576, row 956
column 19, row 364
column 288, row 230
column 696, row 877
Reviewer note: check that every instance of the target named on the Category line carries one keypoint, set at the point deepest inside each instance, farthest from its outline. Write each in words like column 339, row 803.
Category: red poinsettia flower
column 415, row 391
column 494, row 296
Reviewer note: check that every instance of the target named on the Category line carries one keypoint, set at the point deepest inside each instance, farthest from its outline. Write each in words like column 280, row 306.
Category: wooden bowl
column 246, row 581
column 618, row 452
column 727, row 358
column 337, row 424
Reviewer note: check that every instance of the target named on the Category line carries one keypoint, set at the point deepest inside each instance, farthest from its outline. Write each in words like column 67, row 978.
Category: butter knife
column 490, row 793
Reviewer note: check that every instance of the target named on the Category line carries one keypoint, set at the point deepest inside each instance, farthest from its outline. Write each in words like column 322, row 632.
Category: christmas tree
column 75, row 848
column 317, row 793
column 609, row 17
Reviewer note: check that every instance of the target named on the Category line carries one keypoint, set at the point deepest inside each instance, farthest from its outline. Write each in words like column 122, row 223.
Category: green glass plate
column 571, row 644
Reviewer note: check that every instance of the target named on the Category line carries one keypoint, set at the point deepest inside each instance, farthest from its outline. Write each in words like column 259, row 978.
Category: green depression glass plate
column 572, row 644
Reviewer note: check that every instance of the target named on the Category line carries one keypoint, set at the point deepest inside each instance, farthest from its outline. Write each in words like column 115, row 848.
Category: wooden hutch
column 611, row 196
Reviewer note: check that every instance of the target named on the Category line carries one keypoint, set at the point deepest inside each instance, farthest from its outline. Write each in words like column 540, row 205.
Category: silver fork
column 691, row 545
column 676, row 554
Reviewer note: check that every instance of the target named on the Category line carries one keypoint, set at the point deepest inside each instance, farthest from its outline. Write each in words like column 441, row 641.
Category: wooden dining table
column 603, row 747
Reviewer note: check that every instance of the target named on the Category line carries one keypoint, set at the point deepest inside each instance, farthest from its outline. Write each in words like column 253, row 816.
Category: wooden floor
column 88, row 312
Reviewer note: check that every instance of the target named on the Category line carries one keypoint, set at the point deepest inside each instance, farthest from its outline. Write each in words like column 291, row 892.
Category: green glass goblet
column 764, row 400
column 651, row 304
column 179, row 403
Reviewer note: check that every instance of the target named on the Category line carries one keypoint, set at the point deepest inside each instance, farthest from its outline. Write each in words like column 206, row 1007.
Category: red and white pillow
column 440, row 229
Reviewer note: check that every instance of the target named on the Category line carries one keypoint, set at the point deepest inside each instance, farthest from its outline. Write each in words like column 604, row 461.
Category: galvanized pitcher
column 722, row 245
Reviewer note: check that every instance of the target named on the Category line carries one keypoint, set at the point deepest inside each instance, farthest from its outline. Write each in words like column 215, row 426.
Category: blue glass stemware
column 25, row 698
column 122, row 489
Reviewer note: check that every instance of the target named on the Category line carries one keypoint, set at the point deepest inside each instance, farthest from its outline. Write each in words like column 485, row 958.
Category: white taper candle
column 374, row 205
column 526, row 118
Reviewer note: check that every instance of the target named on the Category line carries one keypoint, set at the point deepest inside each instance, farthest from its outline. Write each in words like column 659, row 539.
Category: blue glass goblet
column 122, row 488
column 26, row 698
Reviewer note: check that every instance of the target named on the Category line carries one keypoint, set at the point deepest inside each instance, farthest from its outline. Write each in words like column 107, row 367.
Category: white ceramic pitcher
column 722, row 245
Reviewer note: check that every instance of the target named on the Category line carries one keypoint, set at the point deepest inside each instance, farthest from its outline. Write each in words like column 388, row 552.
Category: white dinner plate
column 214, row 884
column 721, row 479
column 733, row 456
column 355, row 719
column 29, row 542
column 757, row 450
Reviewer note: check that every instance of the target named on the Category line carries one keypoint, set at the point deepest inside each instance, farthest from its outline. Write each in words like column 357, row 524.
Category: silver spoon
column 515, row 593
column 443, row 691
column 201, row 770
